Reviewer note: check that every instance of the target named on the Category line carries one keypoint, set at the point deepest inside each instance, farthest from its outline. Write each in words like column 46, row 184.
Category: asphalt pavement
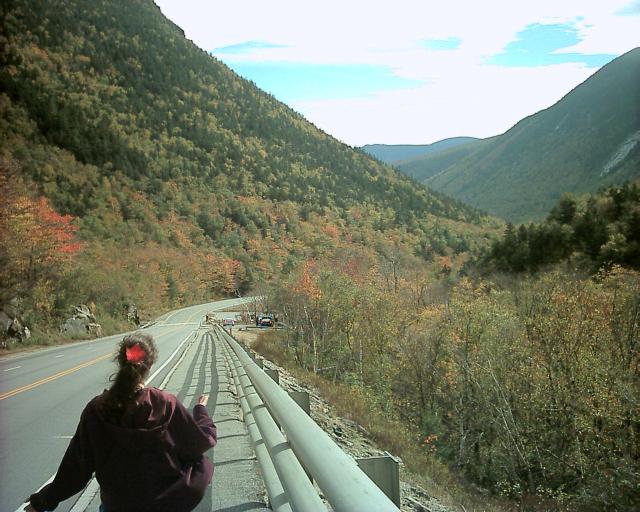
column 42, row 394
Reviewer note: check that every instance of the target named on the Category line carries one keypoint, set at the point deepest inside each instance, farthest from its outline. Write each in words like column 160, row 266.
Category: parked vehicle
column 228, row 321
column 266, row 321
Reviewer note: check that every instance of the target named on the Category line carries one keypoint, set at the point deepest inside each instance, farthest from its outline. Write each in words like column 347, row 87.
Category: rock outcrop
column 132, row 313
column 12, row 326
column 81, row 323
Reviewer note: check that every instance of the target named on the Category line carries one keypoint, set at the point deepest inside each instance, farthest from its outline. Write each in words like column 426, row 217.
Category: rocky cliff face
column 621, row 153
column 12, row 326
column 81, row 323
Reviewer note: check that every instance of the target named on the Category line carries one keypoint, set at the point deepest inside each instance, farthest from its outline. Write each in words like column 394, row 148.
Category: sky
column 410, row 71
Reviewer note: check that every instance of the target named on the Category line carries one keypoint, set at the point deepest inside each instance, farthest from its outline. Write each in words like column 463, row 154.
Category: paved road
column 43, row 393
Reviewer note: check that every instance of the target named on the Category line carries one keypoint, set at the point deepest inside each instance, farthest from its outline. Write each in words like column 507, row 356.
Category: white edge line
column 90, row 489
column 86, row 497
column 22, row 507
column 195, row 331
column 172, row 371
column 14, row 368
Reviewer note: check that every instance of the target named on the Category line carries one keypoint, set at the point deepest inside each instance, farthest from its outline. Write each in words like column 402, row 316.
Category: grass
column 420, row 468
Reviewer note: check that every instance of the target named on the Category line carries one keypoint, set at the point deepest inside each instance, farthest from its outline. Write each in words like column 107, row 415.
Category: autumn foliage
column 529, row 387
column 37, row 242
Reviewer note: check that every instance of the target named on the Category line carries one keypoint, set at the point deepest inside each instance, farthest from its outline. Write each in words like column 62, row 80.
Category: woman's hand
column 203, row 400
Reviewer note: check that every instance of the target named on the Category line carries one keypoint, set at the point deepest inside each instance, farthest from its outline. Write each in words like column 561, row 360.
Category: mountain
column 180, row 179
column 424, row 166
column 394, row 154
column 588, row 140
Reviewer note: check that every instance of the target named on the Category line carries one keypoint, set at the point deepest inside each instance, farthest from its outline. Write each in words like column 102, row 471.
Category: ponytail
column 136, row 354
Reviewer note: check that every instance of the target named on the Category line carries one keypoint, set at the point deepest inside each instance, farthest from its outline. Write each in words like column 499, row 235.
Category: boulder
column 81, row 323
column 16, row 328
column 94, row 329
column 132, row 313
column 74, row 327
column 12, row 307
column 83, row 311
column 5, row 322
column 12, row 326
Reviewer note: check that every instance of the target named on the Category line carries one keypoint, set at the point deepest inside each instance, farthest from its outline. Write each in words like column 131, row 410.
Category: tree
column 37, row 242
column 564, row 211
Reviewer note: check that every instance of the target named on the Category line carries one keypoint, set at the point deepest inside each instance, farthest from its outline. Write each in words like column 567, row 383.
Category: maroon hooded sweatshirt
column 152, row 461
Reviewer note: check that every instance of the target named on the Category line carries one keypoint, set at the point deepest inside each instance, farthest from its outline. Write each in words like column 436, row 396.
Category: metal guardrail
column 301, row 449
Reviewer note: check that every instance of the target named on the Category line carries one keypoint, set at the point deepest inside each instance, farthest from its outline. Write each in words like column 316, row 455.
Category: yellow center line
column 52, row 377
column 55, row 376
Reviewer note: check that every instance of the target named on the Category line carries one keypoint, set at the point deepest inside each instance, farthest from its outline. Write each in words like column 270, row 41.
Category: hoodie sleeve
column 193, row 434
column 74, row 472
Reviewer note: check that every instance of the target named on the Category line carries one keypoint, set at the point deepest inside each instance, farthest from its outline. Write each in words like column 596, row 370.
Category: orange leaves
column 356, row 213
column 429, row 443
column 37, row 242
column 46, row 235
column 225, row 274
column 307, row 284
column 332, row 231
column 39, row 52
column 36, row 238
column 56, row 231
column 230, row 266
column 445, row 264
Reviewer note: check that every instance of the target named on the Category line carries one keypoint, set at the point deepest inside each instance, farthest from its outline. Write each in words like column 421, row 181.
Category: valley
column 473, row 304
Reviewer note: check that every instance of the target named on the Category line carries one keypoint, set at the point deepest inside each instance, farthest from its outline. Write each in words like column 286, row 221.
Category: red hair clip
column 135, row 354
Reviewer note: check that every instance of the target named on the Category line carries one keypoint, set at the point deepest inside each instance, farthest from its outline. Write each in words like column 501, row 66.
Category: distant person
column 145, row 448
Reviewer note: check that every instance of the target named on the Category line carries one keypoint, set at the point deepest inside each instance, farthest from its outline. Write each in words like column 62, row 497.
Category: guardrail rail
column 293, row 451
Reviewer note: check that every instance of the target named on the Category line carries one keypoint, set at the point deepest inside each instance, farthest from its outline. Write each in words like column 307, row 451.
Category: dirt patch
column 248, row 337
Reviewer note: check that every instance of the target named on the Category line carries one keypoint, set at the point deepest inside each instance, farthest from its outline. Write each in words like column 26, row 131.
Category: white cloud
column 609, row 35
column 494, row 101
column 462, row 95
column 335, row 30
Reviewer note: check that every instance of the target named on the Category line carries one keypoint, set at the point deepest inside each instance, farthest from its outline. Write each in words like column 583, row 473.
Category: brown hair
column 130, row 374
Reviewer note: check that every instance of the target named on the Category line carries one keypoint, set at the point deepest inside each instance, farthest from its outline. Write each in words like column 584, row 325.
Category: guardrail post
column 302, row 399
column 274, row 374
column 385, row 473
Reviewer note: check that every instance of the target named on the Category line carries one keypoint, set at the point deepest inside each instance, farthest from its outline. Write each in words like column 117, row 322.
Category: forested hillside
column 524, row 377
column 423, row 167
column 595, row 231
column 176, row 179
column 135, row 168
column 588, row 140
column 398, row 153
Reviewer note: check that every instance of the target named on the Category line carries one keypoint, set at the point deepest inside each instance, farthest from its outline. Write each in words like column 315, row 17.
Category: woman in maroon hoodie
column 145, row 448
